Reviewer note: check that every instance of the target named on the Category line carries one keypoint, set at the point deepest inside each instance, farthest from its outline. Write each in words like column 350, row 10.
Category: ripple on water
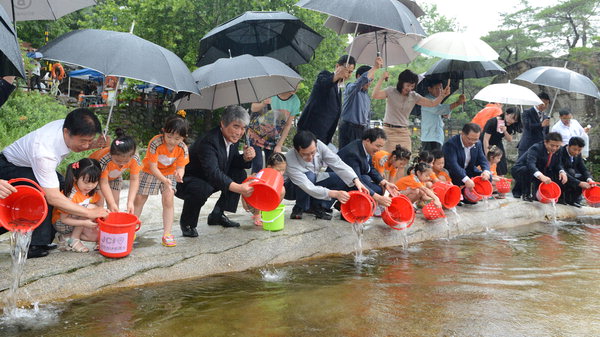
column 274, row 275
column 29, row 318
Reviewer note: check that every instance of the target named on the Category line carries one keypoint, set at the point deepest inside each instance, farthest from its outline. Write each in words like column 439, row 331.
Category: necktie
column 549, row 159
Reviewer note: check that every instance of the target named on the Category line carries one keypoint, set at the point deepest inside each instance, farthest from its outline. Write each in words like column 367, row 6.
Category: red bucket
column 117, row 231
column 431, row 212
column 448, row 193
column 503, row 185
column 482, row 189
column 548, row 193
column 25, row 209
column 359, row 208
column 592, row 195
column 268, row 185
column 400, row 214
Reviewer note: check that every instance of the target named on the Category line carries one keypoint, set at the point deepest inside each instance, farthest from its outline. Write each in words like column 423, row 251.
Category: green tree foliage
column 569, row 22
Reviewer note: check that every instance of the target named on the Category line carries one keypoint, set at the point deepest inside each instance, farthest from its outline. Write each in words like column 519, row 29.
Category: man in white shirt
column 36, row 156
column 568, row 128
column 313, row 189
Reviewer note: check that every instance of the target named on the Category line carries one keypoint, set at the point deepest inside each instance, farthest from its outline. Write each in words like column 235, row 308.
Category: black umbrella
column 11, row 61
column 456, row 69
column 279, row 35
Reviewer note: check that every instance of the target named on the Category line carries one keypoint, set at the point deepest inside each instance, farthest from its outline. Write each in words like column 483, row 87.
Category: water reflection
column 535, row 281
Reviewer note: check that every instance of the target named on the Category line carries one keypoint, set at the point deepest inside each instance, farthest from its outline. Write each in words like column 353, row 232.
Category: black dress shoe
column 527, row 197
column 36, row 251
column 576, row 204
column 50, row 246
column 296, row 213
column 320, row 213
column 221, row 220
column 189, row 231
column 469, row 202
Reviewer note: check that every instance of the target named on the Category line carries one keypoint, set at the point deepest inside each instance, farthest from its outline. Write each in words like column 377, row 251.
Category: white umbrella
column 508, row 93
column 456, row 46
column 396, row 47
column 237, row 80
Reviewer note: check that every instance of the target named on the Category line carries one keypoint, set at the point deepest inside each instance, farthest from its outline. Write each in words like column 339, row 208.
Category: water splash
column 273, row 275
column 404, row 237
column 358, row 229
column 457, row 219
column 554, row 214
column 19, row 246
column 447, row 224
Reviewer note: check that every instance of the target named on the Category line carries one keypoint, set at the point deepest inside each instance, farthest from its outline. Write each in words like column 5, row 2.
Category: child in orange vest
column 114, row 160
column 163, row 167
column 414, row 184
column 391, row 165
column 81, row 182
column 438, row 166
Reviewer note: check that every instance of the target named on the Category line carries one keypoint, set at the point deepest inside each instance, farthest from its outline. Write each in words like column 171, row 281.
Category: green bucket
column 273, row 220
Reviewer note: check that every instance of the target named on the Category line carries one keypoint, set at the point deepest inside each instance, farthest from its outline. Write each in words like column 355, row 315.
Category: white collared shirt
column 467, row 153
column 42, row 150
column 227, row 146
column 368, row 157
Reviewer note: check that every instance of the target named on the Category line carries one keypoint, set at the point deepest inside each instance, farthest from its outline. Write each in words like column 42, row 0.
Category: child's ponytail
column 88, row 168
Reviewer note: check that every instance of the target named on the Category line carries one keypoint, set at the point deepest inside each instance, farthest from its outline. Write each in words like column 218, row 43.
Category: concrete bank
column 64, row 275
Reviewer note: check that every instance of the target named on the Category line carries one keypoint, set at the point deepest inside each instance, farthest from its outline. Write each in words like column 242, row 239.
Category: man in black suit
column 6, row 88
column 539, row 164
column 464, row 158
column 535, row 124
column 358, row 154
column 579, row 177
column 216, row 165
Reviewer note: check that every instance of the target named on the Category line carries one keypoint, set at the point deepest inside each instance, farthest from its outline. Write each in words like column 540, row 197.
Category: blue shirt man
column 356, row 106
column 432, row 126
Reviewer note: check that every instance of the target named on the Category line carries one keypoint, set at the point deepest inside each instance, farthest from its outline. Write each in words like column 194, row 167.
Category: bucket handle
column 138, row 223
column 275, row 218
column 254, row 178
column 29, row 181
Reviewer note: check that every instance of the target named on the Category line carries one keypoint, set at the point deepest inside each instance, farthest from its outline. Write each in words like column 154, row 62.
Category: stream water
column 539, row 280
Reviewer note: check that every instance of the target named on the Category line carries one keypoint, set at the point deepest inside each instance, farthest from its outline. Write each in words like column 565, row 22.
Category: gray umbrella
column 387, row 14
column 456, row 69
column 11, row 61
column 237, row 80
column 122, row 55
column 560, row 78
column 29, row 10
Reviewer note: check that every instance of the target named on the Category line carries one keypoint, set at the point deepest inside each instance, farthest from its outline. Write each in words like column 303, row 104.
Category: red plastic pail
column 592, row 195
column 548, row 193
column 400, row 214
column 116, row 234
column 431, row 212
column 25, row 209
column 448, row 193
column 359, row 208
column 482, row 189
column 268, row 185
column 503, row 185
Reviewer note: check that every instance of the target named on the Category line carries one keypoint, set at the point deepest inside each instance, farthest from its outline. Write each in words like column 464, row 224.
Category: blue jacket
column 354, row 155
column 454, row 156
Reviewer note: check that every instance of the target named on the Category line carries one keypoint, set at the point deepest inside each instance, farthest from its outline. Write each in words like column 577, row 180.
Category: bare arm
column 431, row 103
column 134, row 186
column 107, row 194
column 486, row 142
column 156, row 172
column 284, row 133
column 377, row 92
column 57, row 199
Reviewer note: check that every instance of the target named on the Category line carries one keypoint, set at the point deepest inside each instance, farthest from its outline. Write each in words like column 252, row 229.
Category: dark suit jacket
column 535, row 159
column 5, row 90
column 454, row 156
column 533, row 132
column 576, row 166
column 323, row 108
column 209, row 160
column 354, row 155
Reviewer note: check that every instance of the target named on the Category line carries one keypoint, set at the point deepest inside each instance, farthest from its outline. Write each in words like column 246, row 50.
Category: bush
column 25, row 112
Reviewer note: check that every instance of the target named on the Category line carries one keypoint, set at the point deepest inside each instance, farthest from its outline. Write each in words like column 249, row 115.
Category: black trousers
column 350, row 132
column 45, row 232
column 430, row 146
column 526, row 183
column 195, row 191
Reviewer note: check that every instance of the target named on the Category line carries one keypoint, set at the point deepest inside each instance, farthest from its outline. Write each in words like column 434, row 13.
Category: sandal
column 77, row 246
column 62, row 243
column 257, row 219
column 169, row 241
